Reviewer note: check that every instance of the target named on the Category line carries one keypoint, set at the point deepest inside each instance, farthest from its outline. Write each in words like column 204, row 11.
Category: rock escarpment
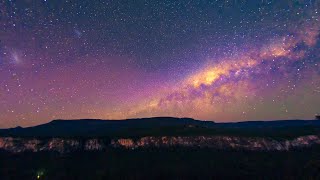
column 63, row 145
column 220, row 142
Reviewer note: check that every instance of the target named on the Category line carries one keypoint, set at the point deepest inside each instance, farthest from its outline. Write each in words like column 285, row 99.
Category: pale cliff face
column 220, row 142
column 63, row 145
column 94, row 145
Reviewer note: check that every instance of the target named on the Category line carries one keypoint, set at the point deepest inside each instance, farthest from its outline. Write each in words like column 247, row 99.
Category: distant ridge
column 98, row 127
column 273, row 123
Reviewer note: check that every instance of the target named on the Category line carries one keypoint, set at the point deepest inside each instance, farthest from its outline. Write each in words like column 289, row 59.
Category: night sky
column 217, row 60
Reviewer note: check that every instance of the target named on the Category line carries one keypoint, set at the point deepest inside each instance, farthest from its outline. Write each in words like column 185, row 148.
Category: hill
column 159, row 126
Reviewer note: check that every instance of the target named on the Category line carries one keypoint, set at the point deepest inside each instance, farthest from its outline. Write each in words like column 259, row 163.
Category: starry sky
column 215, row 60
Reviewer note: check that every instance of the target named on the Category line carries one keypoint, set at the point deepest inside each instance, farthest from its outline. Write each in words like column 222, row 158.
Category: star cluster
column 213, row 60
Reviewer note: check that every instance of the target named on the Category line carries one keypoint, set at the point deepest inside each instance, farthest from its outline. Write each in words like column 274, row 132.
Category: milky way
column 211, row 60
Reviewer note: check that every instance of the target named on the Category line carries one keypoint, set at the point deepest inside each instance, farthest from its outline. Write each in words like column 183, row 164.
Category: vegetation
column 276, row 133
column 178, row 163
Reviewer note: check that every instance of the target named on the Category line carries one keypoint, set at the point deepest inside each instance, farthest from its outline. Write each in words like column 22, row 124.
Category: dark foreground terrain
column 161, row 148
column 178, row 163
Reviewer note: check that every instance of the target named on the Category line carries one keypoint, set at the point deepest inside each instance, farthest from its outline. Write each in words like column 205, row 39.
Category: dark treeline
column 178, row 163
